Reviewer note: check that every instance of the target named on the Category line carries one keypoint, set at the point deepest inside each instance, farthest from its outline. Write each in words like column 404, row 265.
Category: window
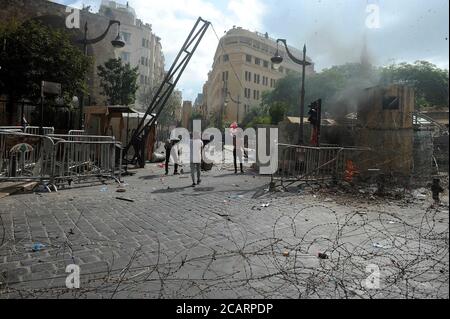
column 248, row 76
column 247, row 93
column 265, row 81
column 226, row 58
column 126, row 37
column 125, row 56
column 257, row 78
column 142, row 60
column 256, row 95
column 391, row 103
column 248, row 58
column 266, row 64
column 225, row 76
column 142, row 79
column 257, row 61
column 145, row 43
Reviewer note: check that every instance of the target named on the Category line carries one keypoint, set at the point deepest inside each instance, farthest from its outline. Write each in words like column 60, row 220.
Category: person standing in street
column 171, row 147
column 196, row 158
column 436, row 189
column 238, row 148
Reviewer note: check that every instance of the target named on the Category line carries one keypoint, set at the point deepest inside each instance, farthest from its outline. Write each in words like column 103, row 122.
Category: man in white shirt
column 196, row 158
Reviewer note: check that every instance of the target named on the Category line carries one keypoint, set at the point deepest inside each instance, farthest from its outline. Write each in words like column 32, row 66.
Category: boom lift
column 165, row 89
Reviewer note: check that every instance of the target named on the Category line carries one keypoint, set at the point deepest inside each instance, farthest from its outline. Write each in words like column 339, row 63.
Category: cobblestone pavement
column 227, row 238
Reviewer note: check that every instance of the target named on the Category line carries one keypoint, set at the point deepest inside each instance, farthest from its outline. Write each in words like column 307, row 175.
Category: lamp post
column 117, row 43
column 238, row 102
column 277, row 59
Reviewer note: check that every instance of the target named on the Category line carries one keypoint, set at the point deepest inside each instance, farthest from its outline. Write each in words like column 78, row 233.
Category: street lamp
column 277, row 59
column 238, row 102
column 117, row 43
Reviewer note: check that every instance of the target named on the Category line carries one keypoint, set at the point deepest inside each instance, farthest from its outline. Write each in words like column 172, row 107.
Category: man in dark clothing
column 436, row 189
column 235, row 155
column 168, row 147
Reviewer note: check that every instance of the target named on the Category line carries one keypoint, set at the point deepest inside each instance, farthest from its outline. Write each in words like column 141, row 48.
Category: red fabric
column 315, row 137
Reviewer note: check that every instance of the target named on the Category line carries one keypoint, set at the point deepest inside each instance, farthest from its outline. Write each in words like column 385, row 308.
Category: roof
column 109, row 109
column 296, row 120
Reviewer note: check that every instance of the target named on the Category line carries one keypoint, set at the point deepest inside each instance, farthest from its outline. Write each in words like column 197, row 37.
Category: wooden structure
column 385, row 126
column 120, row 122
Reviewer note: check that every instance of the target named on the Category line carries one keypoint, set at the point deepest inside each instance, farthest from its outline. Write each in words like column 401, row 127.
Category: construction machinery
column 164, row 91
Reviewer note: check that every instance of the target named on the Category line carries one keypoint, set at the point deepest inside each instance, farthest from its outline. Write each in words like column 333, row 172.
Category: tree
column 256, row 115
column 31, row 53
column 429, row 81
column 168, row 114
column 196, row 115
column 277, row 111
column 118, row 82
column 339, row 87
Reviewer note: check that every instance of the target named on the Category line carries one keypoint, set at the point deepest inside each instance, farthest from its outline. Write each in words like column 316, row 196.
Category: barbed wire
column 411, row 254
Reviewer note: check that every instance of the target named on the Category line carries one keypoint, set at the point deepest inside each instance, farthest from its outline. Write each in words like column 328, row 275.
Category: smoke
column 327, row 46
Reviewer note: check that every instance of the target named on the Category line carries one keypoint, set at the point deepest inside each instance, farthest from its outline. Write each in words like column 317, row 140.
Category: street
column 227, row 238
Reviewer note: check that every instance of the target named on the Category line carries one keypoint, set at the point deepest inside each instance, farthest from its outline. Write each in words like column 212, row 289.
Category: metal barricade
column 56, row 159
column 11, row 128
column 25, row 157
column 80, row 157
column 77, row 132
column 303, row 163
column 80, row 160
column 37, row 130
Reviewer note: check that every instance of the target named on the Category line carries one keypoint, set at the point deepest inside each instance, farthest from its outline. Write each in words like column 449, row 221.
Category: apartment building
column 143, row 48
column 242, row 66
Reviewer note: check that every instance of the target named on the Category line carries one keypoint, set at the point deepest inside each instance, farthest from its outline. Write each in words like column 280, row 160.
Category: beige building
column 242, row 65
column 143, row 48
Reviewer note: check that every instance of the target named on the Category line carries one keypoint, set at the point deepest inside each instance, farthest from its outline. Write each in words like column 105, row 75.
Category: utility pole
column 302, row 99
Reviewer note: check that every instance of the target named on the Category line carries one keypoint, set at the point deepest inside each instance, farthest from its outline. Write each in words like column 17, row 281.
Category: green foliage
column 168, row 114
column 34, row 53
column 256, row 115
column 429, row 81
column 118, row 82
column 277, row 111
column 196, row 115
column 339, row 83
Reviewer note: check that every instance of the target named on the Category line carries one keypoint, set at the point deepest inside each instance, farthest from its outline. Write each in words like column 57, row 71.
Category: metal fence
column 25, row 156
column 77, row 132
column 36, row 130
column 303, row 163
column 58, row 159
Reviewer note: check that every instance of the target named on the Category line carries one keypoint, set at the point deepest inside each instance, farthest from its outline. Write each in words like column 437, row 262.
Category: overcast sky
column 333, row 30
